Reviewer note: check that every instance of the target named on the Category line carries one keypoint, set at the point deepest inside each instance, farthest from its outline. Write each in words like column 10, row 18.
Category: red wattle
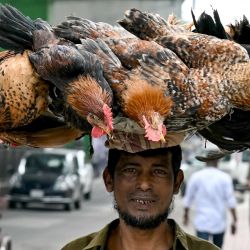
column 97, row 132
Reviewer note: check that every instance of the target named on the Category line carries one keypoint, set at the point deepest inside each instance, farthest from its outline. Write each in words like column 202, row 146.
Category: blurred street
column 50, row 229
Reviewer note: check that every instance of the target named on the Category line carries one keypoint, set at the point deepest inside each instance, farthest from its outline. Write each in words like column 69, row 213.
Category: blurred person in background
column 212, row 191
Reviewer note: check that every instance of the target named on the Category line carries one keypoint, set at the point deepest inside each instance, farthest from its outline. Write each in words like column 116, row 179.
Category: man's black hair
column 176, row 157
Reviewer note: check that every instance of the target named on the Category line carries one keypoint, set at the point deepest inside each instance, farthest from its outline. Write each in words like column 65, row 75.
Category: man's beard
column 146, row 222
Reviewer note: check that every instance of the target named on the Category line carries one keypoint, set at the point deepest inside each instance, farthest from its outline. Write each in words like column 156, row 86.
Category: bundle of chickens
column 149, row 78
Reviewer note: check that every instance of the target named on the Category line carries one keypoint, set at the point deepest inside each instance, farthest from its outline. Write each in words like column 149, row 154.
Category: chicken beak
column 162, row 138
column 108, row 132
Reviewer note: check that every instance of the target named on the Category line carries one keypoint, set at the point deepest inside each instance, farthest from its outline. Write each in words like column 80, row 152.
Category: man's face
column 143, row 188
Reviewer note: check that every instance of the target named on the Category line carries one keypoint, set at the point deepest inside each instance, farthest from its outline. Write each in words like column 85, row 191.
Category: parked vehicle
column 49, row 176
column 86, row 172
column 5, row 240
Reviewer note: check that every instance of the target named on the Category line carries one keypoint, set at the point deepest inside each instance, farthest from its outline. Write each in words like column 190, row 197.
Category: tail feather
column 76, row 28
column 16, row 16
column 147, row 26
column 241, row 31
column 209, row 26
column 17, row 30
column 9, row 44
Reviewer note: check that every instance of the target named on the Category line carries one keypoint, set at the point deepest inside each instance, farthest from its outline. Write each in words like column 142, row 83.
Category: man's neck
column 125, row 237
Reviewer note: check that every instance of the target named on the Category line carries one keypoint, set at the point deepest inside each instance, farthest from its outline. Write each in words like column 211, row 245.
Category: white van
column 51, row 176
column 86, row 171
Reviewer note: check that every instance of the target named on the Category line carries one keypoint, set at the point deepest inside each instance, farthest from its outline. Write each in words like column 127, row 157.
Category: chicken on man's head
column 93, row 103
column 104, row 126
column 149, row 107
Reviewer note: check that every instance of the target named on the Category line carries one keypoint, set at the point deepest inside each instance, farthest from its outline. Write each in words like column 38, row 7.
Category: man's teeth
column 143, row 201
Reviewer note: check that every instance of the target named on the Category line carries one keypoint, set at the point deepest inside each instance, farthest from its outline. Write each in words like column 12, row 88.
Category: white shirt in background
column 212, row 192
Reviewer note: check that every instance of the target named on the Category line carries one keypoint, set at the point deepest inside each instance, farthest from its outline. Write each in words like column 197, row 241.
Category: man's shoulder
column 80, row 243
column 93, row 240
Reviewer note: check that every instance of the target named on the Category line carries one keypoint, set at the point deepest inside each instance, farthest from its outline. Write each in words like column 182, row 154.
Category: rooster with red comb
column 140, row 98
column 77, row 76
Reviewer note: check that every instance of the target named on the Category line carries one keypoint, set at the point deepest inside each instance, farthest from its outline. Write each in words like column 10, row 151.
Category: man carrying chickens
column 143, row 184
column 156, row 91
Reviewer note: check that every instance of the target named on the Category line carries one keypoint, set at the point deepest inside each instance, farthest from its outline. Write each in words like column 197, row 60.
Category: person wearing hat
column 143, row 185
column 212, row 191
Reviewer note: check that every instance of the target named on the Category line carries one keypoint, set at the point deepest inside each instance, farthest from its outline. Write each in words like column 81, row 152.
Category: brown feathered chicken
column 196, row 93
column 24, row 104
column 232, row 132
column 142, row 100
column 23, row 94
column 78, row 76
column 223, row 61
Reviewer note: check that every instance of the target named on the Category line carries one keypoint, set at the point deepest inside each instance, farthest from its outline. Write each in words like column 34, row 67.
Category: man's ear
column 108, row 181
column 178, row 181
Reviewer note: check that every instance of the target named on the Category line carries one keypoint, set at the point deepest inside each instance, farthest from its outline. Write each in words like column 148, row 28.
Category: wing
column 77, row 28
column 44, row 131
column 196, row 50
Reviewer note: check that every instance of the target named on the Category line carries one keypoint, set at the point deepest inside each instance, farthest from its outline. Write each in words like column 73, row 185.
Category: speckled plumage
column 161, row 73
column 230, row 133
column 59, row 62
column 23, row 94
column 121, row 54
column 220, row 67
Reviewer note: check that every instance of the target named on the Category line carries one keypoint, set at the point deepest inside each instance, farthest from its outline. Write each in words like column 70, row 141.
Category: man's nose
column 144, row 181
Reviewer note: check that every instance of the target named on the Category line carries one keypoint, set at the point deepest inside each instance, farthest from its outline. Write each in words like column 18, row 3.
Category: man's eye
column 129, row 171
column 160, row 172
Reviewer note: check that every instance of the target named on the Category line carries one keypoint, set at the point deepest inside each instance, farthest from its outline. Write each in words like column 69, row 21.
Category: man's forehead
column 157, row 158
